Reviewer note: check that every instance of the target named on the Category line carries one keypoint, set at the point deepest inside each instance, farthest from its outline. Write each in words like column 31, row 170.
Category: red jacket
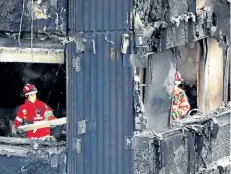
column 34, row 112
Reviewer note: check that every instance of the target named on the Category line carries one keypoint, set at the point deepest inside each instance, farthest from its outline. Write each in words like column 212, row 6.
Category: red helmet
column 178, row 78
column 29, row 89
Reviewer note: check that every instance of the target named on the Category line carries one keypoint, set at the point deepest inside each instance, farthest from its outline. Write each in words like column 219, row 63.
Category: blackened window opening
column 191, row 92
column 50, row 79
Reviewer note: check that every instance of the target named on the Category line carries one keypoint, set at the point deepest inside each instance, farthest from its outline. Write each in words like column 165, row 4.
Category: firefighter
column 33, row 110
column 180, row 104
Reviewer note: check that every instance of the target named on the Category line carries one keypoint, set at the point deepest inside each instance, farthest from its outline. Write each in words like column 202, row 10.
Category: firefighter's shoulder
column 22, row 108
column 43, row 104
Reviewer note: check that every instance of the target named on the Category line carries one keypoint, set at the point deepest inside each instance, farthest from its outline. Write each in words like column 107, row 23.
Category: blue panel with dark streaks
column 100, row 15
column 102, row 93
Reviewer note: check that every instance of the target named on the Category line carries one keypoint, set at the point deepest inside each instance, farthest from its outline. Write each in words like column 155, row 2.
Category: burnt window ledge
column 223, row 118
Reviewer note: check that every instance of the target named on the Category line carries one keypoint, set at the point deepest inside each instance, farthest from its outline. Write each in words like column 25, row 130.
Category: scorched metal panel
column 159, row 88
column 100, row 15
column 99, row 91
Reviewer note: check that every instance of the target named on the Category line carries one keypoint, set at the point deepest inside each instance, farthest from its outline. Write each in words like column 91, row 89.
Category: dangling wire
column 20, row 27
column 56, row 74
column 32, row 26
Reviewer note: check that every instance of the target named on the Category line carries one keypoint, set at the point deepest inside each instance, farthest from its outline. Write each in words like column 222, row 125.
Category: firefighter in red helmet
column 180, row 105
column 33, row 110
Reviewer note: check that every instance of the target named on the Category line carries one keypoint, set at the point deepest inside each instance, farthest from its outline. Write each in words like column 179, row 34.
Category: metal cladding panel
column 100, row 92
column 100, row 15
column 158, row 100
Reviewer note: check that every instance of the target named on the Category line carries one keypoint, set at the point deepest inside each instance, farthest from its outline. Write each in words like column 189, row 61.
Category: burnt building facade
column 86, row 56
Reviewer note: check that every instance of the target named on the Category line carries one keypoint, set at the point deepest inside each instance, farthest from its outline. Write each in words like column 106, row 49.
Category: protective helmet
column 29, row 89
column 178, row 78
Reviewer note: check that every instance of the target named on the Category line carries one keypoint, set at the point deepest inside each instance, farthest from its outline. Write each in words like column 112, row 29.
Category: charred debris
column 189, row 145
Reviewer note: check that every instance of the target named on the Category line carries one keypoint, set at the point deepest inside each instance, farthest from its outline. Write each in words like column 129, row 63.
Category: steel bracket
column 135, row 60
column 141, row 41
column 85, row 126
column 80, row 42
column 77, row 145
column 76, row 63
column 140, row 123
column 161, row 152
column 125, row 43
column 136, row 142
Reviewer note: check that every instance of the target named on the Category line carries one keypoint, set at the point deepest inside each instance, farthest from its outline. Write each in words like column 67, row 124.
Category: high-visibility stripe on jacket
column 180, row 105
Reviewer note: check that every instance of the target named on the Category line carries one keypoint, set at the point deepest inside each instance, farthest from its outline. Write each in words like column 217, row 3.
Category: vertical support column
column 214, row 76
column 226, row 74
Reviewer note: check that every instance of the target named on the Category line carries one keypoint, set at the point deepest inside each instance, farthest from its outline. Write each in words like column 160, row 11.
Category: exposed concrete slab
column 25, row 55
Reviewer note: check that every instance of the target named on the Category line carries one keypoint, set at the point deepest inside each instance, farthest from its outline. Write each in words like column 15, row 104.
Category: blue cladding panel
column 98, row 15
column 101, row 91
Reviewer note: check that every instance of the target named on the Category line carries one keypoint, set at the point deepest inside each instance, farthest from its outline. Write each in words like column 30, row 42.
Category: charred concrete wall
column 222, row 14
column 167, row 24
column 49, row 16
column 177, row 155
column 27, row 160
column 33, row 23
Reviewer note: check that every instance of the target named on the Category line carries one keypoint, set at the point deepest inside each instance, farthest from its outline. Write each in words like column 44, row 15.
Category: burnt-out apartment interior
column 205, row 71
column 50, row 79
column 32, row 51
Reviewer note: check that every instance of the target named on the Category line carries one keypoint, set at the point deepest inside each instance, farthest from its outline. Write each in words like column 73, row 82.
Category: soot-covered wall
column 49, row 16
column 50, row 79
column 176, row 154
